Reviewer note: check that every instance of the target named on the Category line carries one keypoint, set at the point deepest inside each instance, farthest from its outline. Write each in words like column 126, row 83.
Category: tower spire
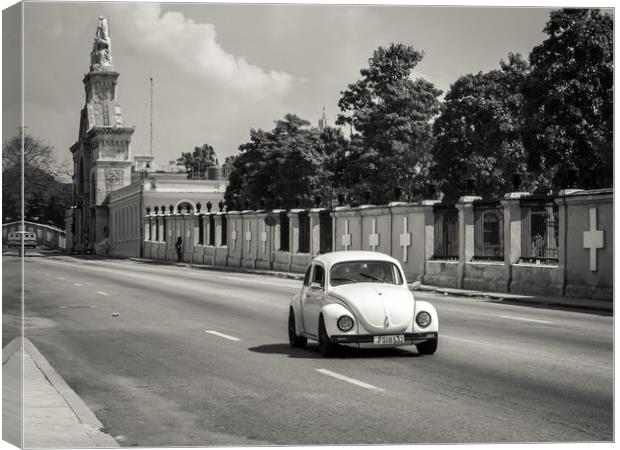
column 101, row 55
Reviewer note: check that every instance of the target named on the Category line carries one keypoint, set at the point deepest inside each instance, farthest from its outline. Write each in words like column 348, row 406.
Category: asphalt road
column 172, row 356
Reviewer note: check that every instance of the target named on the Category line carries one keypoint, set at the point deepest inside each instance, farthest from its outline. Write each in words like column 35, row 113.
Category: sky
column 221, row 69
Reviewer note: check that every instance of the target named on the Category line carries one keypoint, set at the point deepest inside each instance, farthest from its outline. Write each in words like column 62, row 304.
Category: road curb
column 10, row 349
column 77, row 405
column 289, row 275
column 507, row 297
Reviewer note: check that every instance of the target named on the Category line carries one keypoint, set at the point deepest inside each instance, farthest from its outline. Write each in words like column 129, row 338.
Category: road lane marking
column 350, row 380
column 78, row 284
column 225, row 336
column 101, row 293
column 443, row 336
column 60, row 278
column 524, row 319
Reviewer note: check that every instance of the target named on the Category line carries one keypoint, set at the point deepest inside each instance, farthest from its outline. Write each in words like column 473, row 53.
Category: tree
column 392, row 113
column 40, row 172
column 284, row 162
column 569, row 99
column 196, row 163
column 479, row 132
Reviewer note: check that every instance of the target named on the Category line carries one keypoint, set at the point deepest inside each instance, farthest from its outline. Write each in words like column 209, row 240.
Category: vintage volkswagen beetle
column 361, row 299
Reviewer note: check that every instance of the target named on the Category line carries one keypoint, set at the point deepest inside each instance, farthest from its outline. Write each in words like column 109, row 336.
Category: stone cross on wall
column 593, row 239
column 373, row 238
column 248, row 237
column 263, row 237
column 405, row 238
column 233, row 235
column 346, row 237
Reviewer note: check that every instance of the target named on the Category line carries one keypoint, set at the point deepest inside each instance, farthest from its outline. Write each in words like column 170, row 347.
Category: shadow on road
column 312, row 352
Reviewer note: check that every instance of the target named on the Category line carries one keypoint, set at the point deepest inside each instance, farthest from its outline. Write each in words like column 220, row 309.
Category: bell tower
column 102, row 153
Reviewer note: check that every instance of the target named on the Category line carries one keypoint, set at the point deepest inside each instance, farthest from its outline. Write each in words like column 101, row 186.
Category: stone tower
column 101, row 155
column 323, row 121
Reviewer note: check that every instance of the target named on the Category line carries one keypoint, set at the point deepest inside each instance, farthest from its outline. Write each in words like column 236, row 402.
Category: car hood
column 382, row 308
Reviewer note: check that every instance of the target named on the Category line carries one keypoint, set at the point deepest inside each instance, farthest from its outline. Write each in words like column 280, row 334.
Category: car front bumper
column 410, row 338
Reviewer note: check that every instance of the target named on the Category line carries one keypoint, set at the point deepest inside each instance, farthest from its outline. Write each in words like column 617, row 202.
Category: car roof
column 353, row 255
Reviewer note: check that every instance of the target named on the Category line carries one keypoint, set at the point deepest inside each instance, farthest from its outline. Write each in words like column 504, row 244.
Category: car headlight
column 423, row 319
column 345, row 323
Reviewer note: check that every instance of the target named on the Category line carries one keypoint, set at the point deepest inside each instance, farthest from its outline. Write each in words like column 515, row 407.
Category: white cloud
column 194, row 48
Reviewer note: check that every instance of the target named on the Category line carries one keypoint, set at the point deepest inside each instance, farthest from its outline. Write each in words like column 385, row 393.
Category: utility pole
column 151, row 114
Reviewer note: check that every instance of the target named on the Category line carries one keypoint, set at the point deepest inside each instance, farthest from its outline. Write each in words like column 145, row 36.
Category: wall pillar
column 315, row 230
column 512, row 232
column 234, row 238
column 465, row 207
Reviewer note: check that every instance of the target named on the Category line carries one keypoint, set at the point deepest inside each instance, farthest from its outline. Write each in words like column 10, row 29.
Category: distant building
column 160, row 194
column 111, row 192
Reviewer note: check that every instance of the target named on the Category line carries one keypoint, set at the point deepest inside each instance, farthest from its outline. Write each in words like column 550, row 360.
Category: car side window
column 319, row 275
column 307, row 276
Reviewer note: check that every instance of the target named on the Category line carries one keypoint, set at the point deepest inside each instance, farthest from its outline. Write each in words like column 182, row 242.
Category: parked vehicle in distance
column 14, row 239
column 360, row 299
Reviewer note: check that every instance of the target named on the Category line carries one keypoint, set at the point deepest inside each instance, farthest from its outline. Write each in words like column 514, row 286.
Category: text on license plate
column 395, row 339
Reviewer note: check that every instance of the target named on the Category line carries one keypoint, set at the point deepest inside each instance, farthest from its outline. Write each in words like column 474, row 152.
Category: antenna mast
column 151, row 117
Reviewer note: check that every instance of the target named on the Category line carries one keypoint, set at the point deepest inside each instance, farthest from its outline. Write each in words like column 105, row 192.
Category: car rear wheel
column 325, row 346
column 429, row 347
column 294, row 340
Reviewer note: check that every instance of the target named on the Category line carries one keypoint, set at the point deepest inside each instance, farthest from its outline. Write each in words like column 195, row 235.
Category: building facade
column 163, row 195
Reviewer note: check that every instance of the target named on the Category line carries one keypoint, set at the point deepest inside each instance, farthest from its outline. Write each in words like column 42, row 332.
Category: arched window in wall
column 184, row 205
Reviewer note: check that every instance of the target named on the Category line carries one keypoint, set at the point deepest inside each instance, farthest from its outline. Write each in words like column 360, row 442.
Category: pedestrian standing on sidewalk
column 179, row 246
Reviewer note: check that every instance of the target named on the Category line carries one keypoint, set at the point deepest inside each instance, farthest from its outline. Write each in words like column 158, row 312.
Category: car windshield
column 364, row 272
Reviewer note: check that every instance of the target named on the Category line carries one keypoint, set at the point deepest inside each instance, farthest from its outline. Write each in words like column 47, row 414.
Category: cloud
column 193, row 47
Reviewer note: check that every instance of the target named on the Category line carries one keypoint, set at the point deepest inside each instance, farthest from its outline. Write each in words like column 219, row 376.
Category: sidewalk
column 566, row 302
column 53, row 414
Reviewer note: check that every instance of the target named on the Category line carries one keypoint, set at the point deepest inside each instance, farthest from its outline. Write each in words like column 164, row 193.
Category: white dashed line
column 225, row 336
column 78, row 284
column 524, row 319
column 101, row 293
column 350, row 380
column 60, row 278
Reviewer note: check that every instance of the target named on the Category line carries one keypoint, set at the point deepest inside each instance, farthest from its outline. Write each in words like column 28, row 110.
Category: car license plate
column 395, row 339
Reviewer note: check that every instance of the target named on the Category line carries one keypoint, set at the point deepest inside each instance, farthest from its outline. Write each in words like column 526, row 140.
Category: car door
column 312, row 300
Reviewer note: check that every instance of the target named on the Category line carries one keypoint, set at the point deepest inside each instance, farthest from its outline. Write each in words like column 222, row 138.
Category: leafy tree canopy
column 45, row 198
column 479, row 132
column 569, row 98
column 197, row 162
column 392, row 113
column 288, row 161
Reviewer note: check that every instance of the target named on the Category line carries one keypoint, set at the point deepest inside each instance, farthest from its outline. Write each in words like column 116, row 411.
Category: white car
column 360, row 299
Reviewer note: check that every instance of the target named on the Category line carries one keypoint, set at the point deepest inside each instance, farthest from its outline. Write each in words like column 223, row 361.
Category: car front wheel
column 429, row 347
column 325, row 346
column 294, row 340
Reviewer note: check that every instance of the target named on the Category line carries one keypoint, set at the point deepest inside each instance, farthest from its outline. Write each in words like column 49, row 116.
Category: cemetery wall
column 512, row 257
